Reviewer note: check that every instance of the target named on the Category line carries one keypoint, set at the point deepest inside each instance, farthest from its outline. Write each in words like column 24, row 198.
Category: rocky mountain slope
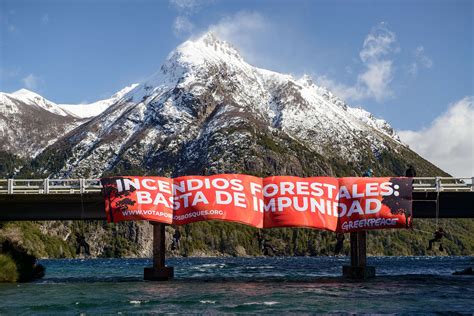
column 208, row 111
column 29, row 123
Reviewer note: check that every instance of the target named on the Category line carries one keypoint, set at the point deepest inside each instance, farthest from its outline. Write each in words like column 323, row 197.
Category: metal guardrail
column 49, row 186
column 79, row 186
column 443, row 184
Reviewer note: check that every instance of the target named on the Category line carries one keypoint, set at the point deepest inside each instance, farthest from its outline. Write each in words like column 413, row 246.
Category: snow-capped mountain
column 10, row 102
column 29, row 122
column 206, row 110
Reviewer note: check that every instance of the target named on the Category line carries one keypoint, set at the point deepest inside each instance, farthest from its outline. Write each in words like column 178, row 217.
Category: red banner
column 334, row 204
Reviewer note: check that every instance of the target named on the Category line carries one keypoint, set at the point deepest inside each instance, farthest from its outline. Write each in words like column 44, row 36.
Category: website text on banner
column 334, row 204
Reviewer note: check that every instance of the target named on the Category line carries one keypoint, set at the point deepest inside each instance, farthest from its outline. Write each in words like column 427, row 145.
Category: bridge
column 81, row 199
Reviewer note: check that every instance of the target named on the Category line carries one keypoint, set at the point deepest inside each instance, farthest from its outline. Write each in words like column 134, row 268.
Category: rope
column 437, row 208
column 438, row 188
column 82, row 213
column 82, row 207
column 83, row 229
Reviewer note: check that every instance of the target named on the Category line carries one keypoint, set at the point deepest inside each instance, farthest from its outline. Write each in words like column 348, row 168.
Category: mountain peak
column 212, row 40
column 207, row 48
column 209, row 38
column 192, row 58
column 26, row 93
column 35, row 100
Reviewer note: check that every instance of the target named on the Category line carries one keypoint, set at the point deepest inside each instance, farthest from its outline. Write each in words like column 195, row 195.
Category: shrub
column 8, row 271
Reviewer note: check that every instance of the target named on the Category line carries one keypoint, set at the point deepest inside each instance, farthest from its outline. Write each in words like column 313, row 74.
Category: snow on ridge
column 369, row 119
column 35, row 100
column 95, row 108
column 78, row 111
column 205, row 49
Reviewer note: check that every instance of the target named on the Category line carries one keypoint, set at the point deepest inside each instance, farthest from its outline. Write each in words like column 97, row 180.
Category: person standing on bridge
column 369, row 173
column 410, row 172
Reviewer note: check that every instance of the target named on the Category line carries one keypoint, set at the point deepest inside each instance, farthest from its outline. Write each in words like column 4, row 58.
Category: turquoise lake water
column 245, row 285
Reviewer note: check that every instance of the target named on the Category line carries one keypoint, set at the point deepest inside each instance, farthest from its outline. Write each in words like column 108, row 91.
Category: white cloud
column 189, row 6
column 31, row 81
column 341, row 90
column 45, row 19
column 184, row 4
column 182, row 25
column 413, row 69
column 374, row 81
column 234, row 27
column 243, row 29
column 378, row 43
column 421, row 61
column 448, row 142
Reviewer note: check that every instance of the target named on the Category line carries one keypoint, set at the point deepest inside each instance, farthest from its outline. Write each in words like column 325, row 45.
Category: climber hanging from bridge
column 264, row 245
column 438, row 235
column 82, row 243
column 176, row 239
column 339, row 243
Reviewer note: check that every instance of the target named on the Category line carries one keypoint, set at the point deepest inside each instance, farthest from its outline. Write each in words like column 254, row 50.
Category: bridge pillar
column 358, row 268
column 159, row 272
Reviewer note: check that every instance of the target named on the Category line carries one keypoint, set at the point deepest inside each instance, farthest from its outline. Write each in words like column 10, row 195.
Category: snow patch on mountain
column 32, row 99
column 374, row 122
column 95, row 108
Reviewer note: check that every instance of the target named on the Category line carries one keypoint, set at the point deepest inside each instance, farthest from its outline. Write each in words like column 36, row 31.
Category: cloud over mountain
column 375, row 79
column 448, row 141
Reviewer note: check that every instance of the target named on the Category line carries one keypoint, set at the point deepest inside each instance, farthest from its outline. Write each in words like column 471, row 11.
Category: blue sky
column 408, row 62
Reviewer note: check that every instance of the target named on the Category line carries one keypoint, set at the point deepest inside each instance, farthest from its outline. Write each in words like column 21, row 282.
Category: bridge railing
column 78, row 186
column 49, row 186
column 441, row 184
